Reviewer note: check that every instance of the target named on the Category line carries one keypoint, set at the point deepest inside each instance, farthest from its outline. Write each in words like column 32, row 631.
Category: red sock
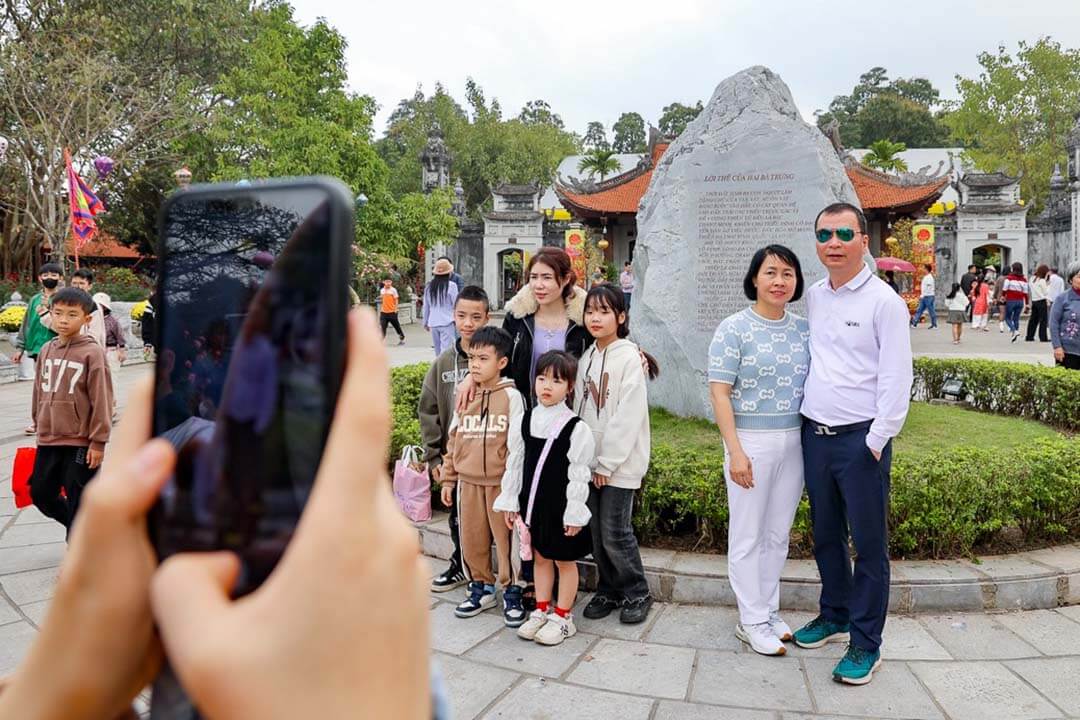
column 543, row 605
column 562, row 612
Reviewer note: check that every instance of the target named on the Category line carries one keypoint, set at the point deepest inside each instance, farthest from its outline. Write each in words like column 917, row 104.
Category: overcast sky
column 595, row 59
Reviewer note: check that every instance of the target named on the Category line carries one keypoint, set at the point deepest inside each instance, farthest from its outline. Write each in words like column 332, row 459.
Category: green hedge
column 944, row 503
column 1048, row 394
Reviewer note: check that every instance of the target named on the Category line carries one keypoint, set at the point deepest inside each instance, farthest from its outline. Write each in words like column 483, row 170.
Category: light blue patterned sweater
column 766, row 363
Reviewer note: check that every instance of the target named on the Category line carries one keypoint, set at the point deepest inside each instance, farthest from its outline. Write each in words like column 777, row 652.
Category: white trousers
column 760, row 520
column 978, row 321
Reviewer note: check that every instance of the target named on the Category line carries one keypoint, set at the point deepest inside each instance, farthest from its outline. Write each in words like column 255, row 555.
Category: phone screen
column 250, row 346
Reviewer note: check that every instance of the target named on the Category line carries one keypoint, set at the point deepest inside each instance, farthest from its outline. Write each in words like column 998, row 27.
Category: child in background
column 480, row 455
column 550, row 497
column 36, row 328
column 980, row 298
column 72, row 408
column 388, row 309
column 436, row 408
column 610, row 396
column 957, row 303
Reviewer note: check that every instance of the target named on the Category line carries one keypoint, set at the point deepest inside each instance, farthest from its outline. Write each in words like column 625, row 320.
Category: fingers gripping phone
column 250, row 336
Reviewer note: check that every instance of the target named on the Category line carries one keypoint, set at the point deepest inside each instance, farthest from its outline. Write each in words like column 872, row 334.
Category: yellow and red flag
column 84, row 206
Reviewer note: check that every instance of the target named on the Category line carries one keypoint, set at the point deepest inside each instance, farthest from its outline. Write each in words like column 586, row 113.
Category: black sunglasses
column 824, row 235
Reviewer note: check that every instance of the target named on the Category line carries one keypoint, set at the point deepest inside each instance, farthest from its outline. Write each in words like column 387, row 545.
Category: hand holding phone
column 345, row 613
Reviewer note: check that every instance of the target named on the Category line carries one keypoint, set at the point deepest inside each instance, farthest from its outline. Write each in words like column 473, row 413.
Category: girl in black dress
column 547, row 502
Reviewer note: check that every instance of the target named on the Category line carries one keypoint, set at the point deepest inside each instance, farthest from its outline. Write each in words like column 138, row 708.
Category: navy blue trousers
column 849, row 490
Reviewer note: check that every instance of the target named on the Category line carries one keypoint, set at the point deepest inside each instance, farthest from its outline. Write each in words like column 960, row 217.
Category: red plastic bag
column 412, row 489
column 20, row 476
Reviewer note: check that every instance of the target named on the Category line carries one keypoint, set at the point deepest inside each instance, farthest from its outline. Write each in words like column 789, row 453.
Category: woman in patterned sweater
column 758, row 362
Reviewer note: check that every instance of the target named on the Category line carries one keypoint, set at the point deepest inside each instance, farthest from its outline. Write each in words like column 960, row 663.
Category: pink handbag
column 412, row 489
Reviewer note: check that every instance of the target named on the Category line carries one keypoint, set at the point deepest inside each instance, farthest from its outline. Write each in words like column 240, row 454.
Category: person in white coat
column 610, row 396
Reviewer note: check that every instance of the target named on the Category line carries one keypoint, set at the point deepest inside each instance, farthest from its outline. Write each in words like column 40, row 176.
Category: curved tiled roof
column 876, row 191
column 102, row 246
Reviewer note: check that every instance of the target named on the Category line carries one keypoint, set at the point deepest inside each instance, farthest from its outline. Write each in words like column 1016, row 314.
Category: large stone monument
column 746, row 173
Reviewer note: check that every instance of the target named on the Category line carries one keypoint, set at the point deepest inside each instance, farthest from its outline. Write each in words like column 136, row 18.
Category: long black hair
column 606, row 297
column 439, row 288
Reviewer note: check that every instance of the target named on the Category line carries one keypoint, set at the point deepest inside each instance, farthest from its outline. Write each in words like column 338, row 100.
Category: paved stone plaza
column 682, row 664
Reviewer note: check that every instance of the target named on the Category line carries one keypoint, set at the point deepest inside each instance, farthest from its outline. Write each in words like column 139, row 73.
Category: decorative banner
column 922, row 244
column 575, row 248
column 84, row 206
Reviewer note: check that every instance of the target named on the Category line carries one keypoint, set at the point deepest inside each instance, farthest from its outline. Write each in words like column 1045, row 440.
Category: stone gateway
column 746, row 173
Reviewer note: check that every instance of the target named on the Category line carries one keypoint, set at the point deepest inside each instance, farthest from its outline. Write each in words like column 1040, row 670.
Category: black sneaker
column 514, row 614
column 635, row 611
column 453, row 578
column 600, row 607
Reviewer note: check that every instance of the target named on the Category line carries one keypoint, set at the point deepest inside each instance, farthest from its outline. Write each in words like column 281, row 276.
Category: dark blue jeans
column 926, row 303
column 615, row 549
column 1013, row 308
column 848, row 488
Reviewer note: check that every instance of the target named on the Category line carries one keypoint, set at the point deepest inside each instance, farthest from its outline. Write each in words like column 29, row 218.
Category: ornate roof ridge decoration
column 997, row 178
column 920, row 178
column 588, row 186
column 513, row 215
column 505, row 188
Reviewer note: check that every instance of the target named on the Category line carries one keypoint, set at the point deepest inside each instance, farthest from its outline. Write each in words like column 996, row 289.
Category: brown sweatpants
column 478, row 524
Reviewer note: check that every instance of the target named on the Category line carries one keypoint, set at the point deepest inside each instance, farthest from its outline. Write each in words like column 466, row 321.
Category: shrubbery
column 11, row 319
column 121, row 283
column 1049, row 395
column 945, row 503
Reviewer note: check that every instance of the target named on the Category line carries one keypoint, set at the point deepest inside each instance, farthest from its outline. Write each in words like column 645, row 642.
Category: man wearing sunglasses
column 856, row 401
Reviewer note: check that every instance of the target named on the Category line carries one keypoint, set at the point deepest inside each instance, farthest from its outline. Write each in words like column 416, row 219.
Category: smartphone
column 251, row 305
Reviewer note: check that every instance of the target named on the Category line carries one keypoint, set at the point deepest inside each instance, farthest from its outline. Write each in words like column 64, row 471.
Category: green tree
column 538, row 112
column 883, row 156
column 891, row 117
column 1016, row 114
column 629, row 132
column 396, row 227
column 677, row 116
column 407, row 134
column 85, row 76
column 595, row 137
column 599, row 162
column 902, row 110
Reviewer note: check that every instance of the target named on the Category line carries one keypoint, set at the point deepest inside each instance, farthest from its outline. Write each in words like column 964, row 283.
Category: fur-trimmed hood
column 525, row 303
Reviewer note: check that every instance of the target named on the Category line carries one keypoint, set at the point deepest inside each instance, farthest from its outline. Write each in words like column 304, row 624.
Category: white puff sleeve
column 582, row 451
column 515, row 458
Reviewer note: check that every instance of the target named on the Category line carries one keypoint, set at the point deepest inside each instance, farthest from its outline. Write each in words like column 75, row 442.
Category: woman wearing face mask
column 758, row 363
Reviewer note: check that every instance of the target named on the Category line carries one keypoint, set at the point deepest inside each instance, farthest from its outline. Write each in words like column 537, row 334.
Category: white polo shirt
column 860, row 356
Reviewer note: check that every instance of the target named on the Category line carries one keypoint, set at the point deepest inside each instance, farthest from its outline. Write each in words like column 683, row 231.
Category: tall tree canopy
column 901, row 110
column 485, row 148
column 595, row 137
column 677, row 116
column 629, row 132
column 1016, row 114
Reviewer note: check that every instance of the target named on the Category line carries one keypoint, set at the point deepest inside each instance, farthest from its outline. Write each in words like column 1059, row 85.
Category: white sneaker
column 760, row 638
column 556, row 629
column 1001, row 327
column 537, row 619
column 779, row 628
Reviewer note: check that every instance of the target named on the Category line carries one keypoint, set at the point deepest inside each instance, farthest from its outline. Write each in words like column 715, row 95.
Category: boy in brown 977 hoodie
column 72, row 408
column 478, row 455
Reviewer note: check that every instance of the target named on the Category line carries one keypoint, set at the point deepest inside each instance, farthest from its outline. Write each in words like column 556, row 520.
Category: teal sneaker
column 857, row 666
column 819, row 631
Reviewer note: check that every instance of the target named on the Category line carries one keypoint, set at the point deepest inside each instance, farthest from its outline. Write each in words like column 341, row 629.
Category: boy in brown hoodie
column 478, row 455
column 72, row 408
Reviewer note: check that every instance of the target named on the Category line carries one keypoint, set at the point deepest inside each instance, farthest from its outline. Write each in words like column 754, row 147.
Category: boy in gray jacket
column 437, row 409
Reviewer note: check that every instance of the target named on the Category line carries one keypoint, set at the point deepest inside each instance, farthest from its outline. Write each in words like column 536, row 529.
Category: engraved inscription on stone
column 732, row 224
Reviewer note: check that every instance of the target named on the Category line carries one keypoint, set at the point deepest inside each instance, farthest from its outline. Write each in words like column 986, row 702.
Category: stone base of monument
column 1023, row 581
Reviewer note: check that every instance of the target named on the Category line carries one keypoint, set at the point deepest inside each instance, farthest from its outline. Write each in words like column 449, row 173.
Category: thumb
column 189, row 593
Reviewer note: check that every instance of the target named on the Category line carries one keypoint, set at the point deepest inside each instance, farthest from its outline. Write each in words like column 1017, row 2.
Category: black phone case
column 168, row 700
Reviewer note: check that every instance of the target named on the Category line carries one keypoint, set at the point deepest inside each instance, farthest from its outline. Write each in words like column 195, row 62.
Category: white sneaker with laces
column 779, row 628
column 556, row 629
column 537, row 619
column 760, row 638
